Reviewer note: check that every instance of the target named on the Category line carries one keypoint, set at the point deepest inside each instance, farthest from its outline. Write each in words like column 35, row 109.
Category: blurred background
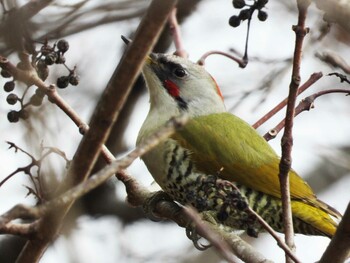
column 102, row 227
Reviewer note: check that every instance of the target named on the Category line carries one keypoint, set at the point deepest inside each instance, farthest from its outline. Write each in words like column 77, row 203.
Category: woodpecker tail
column 318, row 217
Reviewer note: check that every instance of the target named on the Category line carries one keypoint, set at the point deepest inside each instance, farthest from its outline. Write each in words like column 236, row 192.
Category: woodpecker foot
column 192, row 235
column 191, row 232
column 149, row 207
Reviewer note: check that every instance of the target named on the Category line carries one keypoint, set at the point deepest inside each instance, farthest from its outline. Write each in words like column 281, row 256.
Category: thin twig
column 176, row 33
column 105, row 114
column 304, row 105
column 224, row 241
column 202, row 59
column 272, row 232
column 100, row 177
column 23, row 212
column 313, row 78
column 19, row 212
column 22, row 230
column 269, row 229
column 334, row 60
column 287, row 138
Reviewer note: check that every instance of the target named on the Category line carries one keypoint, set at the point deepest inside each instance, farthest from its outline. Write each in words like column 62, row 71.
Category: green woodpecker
column 200, row 162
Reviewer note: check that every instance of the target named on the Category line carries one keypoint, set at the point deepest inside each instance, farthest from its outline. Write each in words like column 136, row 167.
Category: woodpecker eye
column 180, row 72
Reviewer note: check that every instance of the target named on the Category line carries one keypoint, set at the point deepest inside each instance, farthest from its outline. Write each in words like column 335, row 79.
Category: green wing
column 226, row 145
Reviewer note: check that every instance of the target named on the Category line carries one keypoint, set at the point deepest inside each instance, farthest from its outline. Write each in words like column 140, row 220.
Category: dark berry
column 241, row 205
column 234, row 21
column 62, row 45
column 46, row 49
column 9, row 86
column 245, row 14
column 42, row 69
column 222, row 215
column 51, row 58
column 238, row 4
column 23, row 114
column 262, row 15
column 43, row 73
column 61, row 59
column 40, row 64
column 261, row 3
column 74, row 80
column 13, row 116
column 35, row 100
column 5, row 74
column 62, row 82
column 12, row 99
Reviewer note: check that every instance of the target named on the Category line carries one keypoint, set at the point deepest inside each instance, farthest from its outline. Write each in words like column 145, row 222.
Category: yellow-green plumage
column 232, row 151
column 215, row 150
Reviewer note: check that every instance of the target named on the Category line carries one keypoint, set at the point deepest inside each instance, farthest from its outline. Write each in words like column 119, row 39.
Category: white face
column 177, row 85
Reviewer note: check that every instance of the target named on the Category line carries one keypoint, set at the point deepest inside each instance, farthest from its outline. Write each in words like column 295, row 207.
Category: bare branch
column 334, row 60
column 19, row 212
column 241, row 63
column 117, row 165
column 287, row 138
column 342, row 77
column 280, row 242
column 23, row 230
column 176, row 32
column 73, row 25
column 105, row 114
column 313, row 78
column 304, row 105
column 23, row 212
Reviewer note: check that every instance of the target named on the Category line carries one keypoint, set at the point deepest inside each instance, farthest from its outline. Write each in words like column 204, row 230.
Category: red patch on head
column 172, row 89
column 217, row 88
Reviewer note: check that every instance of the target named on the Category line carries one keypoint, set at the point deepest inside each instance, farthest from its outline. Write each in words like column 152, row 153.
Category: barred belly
column 219, row 200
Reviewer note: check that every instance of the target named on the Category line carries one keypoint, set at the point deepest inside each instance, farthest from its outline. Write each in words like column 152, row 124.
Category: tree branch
column 313, row 78
column 241, row 63
column 225, row 242
column 105, row 114
column 334, row 60
column 287, row 138
column 304, row 105
column 176, row 33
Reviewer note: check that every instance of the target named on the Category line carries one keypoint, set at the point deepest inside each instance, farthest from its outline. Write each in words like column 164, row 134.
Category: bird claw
column 149, row 206
column 192, row 235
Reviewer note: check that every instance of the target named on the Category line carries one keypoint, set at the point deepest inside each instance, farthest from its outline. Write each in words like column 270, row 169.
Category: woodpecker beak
column 151, row 59
column 126, row 40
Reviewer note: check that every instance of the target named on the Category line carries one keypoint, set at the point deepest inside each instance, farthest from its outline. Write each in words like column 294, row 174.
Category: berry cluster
column 12, row 99
column 246, row 13
column 50, row 55
column 64, row 81
column 46, row 56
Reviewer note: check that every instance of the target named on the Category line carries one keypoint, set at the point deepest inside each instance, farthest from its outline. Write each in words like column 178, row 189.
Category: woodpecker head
column 178, row 85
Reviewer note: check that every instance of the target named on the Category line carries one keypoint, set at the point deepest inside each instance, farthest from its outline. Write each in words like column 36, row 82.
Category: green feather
column 226, row 145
